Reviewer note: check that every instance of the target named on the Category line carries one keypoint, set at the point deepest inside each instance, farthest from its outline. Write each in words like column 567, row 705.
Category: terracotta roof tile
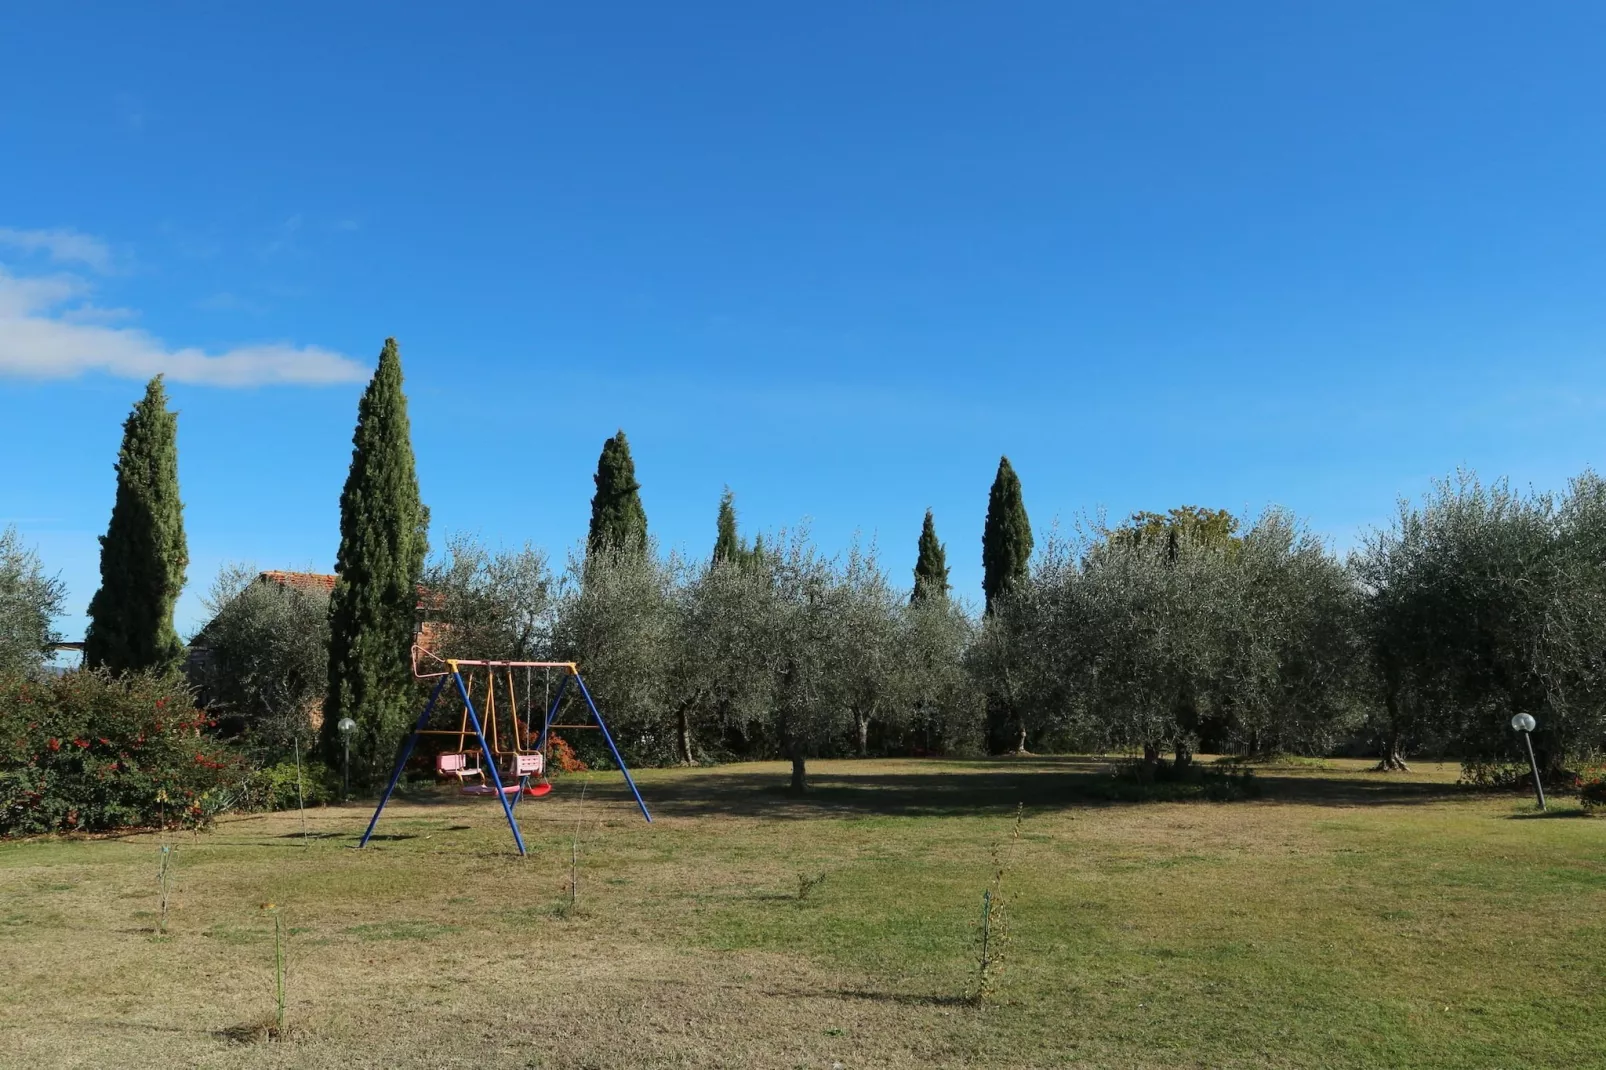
column 305, row 581
column 318, row 581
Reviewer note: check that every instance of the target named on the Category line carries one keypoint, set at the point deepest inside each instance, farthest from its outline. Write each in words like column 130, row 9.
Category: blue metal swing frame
column 454, row 672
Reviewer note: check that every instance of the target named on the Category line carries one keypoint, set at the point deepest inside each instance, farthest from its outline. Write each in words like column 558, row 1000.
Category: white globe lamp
column 1524, row 723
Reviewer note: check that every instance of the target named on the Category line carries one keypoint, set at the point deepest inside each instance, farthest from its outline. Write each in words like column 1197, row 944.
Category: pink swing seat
column 487, row 789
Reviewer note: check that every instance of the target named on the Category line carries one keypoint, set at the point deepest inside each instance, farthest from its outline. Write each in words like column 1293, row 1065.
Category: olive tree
column 721, row 680
column 1574, row 650
column 1150, row 618
column 866, row 651
column 1011, row 665
column 490, row 604
column 1483, row 603
column 1172, row 633
column 615, row 618
column 30, row 602
column 262, row 661
column 1294, row 660
column 943, row 710
column 798, row 636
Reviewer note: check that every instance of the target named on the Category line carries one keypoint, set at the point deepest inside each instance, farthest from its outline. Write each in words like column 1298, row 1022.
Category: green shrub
column 87, row 751
column 274, row 788
column 1133, row 781
column 1277, row 759
column 1513, row 776
column 1592, row 787
column 1495, row 775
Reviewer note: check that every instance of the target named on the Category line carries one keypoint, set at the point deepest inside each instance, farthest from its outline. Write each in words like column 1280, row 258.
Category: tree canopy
column 931, row 564
column 30, row 602
column 1172, row 633
column 374, row 607
column 1006, row 540
column 618, row 521
column 1215, row 526
column 264, row 664
column 143, row 555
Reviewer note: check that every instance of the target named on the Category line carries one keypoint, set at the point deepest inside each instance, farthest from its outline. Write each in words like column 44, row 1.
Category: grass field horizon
column 1340, row 918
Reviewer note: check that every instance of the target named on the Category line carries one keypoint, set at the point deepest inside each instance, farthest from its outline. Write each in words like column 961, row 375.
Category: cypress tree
column 728, row 545
column 143, row 553
column 1006, row 550
column 931, row 567
column 1006, row 541
column 617, row 519
column 372, row 610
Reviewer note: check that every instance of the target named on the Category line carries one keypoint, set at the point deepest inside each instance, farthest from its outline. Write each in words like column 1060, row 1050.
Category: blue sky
column 841, row 259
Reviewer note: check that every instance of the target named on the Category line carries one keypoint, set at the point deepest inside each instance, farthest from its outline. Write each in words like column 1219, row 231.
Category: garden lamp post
column 346, row 725
column 1525, row 724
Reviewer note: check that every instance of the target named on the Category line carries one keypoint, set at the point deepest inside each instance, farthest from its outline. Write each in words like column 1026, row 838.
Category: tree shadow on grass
column 907, row 999
column 253, row 1032
column 143, row 1027
column 256, row 843
column 989, row 786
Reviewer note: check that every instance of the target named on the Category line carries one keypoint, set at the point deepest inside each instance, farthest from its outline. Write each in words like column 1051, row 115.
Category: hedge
column 89, row 751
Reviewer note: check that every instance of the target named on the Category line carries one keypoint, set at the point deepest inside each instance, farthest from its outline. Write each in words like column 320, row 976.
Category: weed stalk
column 574, row 850
column 300, row 802
column 993, row 945
column 166, row 881
column 278, row 968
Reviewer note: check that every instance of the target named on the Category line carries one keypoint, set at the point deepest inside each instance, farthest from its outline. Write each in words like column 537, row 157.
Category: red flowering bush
column 564, row 760
column 87, row 751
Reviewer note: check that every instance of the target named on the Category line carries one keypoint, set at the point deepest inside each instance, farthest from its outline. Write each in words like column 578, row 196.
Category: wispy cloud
column 62, row 246
column 50, row 330
column 230, row 302
column 87, row 313
column 193, row 244
column 284, row 236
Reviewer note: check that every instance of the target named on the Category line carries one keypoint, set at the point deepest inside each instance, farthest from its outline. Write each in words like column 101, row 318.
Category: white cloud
column 88, row 313
column 43, row 335
column 62, row 246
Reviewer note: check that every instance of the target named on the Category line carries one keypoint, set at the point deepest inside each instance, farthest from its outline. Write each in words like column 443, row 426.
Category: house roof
column 301, row 581
column 321, row 583
column 317, row 581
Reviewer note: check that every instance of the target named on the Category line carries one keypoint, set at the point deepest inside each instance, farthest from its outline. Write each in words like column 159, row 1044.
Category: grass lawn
column 1342, row 919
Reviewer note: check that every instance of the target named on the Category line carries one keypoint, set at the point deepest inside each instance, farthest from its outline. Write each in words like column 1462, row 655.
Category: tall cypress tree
column 383, row 541
column 1006, row 541
column 1006, row 551
column 617, row 519
column 143, row 553
column 728, row 544
column 931, row 567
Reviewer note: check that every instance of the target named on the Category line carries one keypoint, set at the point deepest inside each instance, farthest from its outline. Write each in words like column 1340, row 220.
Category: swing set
column 520, row 762
column 515, row 761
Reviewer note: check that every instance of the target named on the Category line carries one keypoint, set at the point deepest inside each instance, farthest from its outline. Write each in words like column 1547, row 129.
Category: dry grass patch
column 1343, row 918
